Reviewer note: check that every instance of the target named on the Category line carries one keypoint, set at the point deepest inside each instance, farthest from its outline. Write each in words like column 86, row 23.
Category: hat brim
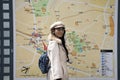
column 59, row 26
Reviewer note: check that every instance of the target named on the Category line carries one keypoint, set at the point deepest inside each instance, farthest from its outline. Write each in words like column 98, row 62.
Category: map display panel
column 90, row 30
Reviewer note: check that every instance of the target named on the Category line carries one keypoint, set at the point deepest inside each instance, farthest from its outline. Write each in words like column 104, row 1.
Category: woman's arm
column 55, row 61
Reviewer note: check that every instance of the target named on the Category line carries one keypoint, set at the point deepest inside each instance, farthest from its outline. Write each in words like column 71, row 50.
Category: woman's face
column 59, row 32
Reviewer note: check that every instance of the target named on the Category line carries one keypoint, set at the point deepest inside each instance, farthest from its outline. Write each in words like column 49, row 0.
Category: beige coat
column 58, row 59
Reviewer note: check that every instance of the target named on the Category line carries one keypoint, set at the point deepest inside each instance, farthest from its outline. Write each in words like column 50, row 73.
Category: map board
column 90, row 36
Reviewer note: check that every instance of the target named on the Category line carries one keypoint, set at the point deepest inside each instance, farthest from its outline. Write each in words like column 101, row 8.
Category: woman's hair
column 63, row 41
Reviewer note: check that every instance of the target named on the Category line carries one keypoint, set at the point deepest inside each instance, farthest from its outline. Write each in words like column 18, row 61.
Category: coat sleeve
column 54, row 56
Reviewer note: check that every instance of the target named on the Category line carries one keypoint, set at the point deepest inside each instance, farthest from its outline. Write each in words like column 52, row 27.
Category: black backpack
column 43, row 63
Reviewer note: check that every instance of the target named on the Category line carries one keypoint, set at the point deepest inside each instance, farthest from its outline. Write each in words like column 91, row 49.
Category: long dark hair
column 63, row 42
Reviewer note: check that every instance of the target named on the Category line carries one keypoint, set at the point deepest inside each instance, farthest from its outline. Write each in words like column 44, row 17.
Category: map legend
column 106, row 63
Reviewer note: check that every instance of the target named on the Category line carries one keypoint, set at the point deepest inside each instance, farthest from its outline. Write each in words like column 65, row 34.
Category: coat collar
column 52, row 37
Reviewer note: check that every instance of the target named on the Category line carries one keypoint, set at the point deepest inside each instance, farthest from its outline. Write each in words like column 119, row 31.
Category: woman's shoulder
column 52, row 44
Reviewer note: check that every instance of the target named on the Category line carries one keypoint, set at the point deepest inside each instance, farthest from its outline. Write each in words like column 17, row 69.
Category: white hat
column 57, row 24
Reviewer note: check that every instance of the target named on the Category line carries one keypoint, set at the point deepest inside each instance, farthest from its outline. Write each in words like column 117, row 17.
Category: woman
column 57, row 52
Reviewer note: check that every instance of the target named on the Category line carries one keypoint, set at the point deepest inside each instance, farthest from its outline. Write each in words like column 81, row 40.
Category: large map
column 90, row 33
